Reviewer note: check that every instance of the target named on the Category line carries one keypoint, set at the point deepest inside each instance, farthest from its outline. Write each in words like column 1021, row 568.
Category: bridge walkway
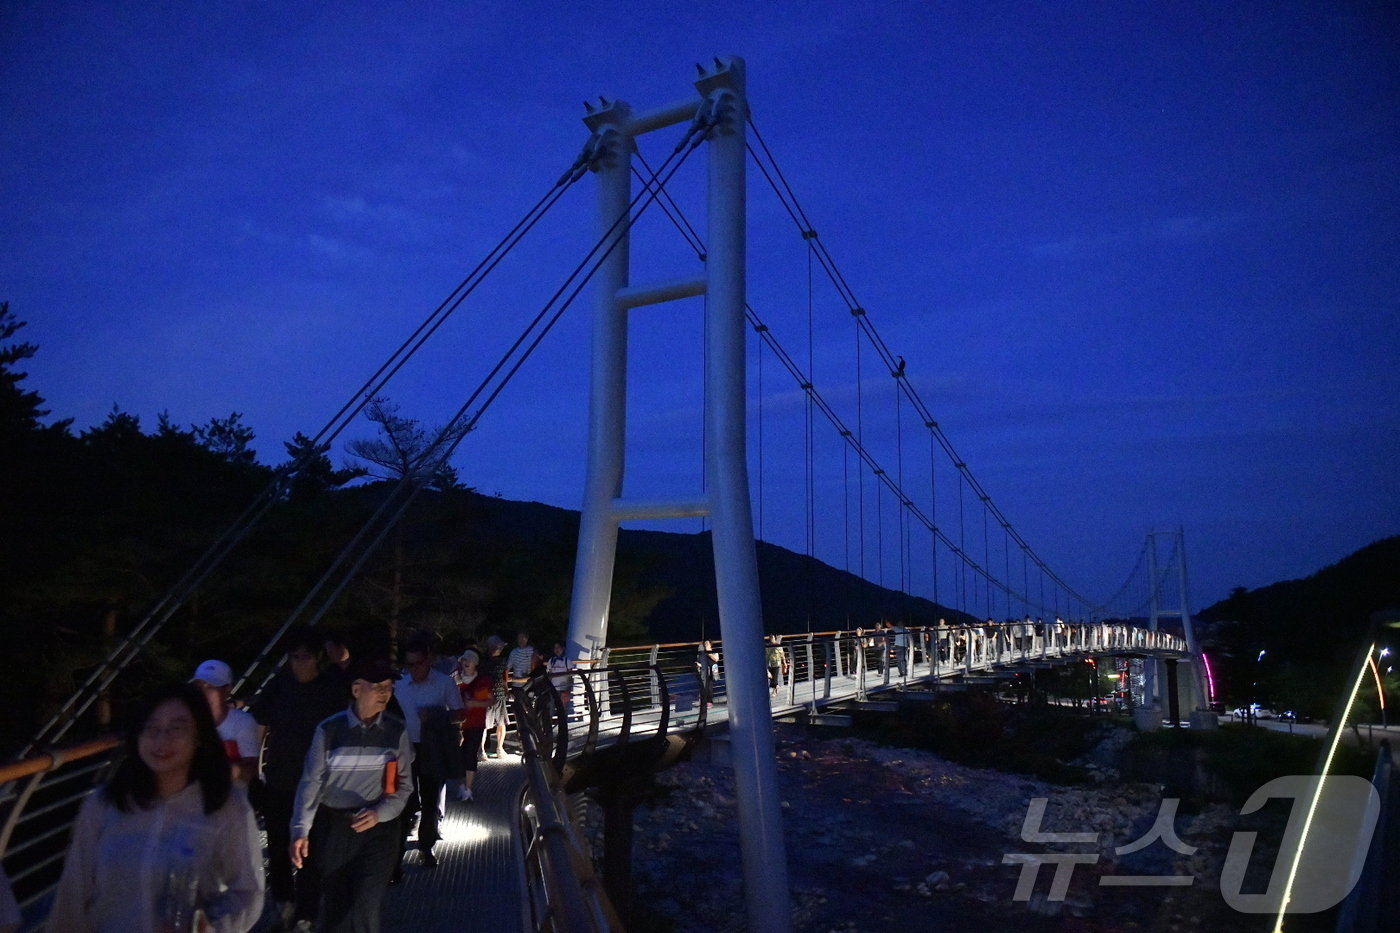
column 479, row 882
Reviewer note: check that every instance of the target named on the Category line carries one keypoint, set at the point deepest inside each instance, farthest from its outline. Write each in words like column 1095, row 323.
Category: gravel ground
column 883, row 839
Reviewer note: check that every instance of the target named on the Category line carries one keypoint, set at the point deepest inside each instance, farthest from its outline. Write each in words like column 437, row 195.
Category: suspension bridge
column 884, row 495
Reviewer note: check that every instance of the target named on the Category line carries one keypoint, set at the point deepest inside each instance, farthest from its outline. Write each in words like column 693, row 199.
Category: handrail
column 40, row 797
column 571, row 898
column 48, row 761
column 1359, row 912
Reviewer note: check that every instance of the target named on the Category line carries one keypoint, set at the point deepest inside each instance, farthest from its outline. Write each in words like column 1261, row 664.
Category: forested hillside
column 1295, row 644
column 99, row 523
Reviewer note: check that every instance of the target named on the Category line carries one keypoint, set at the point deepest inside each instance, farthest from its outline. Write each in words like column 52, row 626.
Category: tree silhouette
column 311, row 470
column 227, row 437
column 20, row 409
column 407, row 449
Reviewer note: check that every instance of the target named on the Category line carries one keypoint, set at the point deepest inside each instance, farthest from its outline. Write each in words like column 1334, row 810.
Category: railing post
column 791, row 676
column 860, row 667
column 833, row 656
column 655, row 670
column 603, row 685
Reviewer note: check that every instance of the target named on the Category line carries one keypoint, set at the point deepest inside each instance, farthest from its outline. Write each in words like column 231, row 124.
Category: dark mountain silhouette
column 1338, row 600
column 798, row 592
column 1295, row 644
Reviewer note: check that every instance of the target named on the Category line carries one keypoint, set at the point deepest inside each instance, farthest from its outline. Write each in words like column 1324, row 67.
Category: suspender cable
column 899, row 479
column 809, row 439
column 987, row 556
column 860, row 443
column 962, row 545
column 1006, row 552
column 758, row 357
column 783, row 190
column 880, row 533
column 846, row 503
column 1025, row 580
column 933, row 514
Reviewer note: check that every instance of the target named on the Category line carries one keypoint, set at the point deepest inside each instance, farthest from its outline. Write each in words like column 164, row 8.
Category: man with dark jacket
column 289, row 708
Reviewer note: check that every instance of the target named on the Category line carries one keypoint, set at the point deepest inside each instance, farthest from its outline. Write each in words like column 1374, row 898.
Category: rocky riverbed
column 886, row 839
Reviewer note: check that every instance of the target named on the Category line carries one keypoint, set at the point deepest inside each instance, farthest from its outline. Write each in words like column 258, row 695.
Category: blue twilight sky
column 1141, row 257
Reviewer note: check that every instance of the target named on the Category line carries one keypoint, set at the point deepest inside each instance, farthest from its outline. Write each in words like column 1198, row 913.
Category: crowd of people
column 892, row 648
column 342, row 756
column 339, row 756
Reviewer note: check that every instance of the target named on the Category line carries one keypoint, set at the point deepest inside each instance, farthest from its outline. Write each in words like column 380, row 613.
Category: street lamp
column 1380, row 688
column 1253, row 712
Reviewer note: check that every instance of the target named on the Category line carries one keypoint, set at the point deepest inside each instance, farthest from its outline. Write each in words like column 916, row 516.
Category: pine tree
column 21, row 411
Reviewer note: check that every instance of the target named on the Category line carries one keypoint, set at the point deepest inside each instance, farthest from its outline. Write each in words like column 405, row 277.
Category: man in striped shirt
column 357, row 778
column 523, row 658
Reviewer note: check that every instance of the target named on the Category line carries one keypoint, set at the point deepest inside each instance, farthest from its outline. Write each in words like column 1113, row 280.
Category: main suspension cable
column 135, row 640
column 490, row 387
column 778, row 182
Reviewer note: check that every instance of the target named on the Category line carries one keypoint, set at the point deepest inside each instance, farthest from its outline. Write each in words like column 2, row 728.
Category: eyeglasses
column 176, row 731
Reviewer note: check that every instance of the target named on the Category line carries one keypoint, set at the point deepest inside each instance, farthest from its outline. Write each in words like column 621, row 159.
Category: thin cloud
column 1181, row 229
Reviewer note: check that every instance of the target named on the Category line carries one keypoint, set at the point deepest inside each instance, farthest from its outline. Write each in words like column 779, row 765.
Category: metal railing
column 631, row 694
column 39, row 800
column 828, row 667
column 564, row 892
column 1361, row 911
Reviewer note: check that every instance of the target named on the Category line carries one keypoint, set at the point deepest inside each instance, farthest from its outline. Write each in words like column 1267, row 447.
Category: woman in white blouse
column 165, row 845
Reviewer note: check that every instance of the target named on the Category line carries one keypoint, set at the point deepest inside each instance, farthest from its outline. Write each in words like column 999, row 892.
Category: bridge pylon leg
column 760, row 811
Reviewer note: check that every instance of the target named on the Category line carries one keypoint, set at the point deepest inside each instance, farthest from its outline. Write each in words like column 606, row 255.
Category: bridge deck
column 479, row 883
column 984, row 666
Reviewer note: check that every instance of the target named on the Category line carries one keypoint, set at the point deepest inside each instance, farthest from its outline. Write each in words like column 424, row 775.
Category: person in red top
column 476, row 689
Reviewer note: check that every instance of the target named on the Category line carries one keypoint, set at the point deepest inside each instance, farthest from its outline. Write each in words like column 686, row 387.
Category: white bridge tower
column 722, row 109
column 1169, row 606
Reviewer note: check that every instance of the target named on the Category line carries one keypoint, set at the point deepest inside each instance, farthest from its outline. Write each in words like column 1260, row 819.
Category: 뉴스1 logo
column 1333, row 846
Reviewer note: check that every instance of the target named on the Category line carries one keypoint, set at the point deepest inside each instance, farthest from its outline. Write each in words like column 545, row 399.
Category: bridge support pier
column 1173, row 695
column 618, row 803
